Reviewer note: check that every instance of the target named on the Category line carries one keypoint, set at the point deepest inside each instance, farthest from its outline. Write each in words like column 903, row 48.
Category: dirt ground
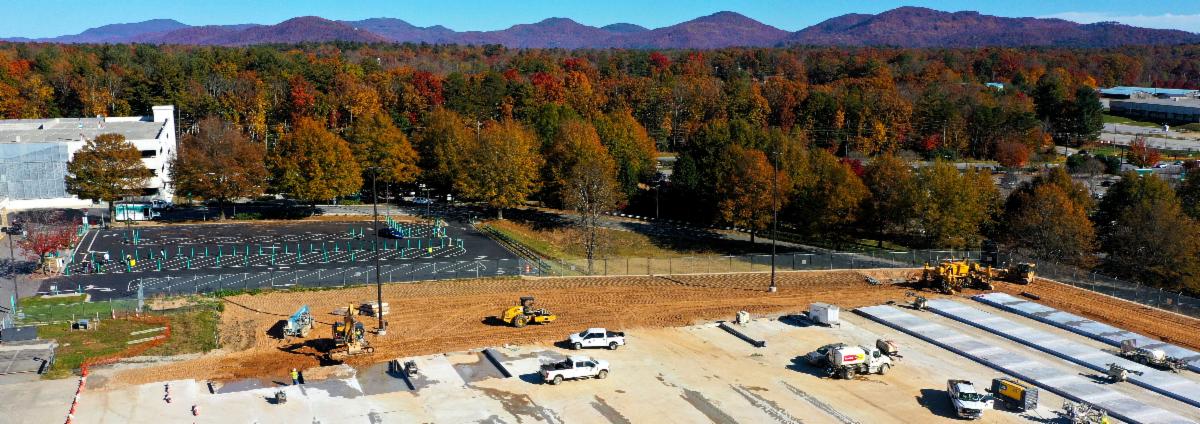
column 1163, row 325
column 444, row 316
column 447, row 316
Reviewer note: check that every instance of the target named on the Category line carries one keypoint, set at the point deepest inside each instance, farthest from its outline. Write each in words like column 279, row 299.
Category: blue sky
column 46, row 18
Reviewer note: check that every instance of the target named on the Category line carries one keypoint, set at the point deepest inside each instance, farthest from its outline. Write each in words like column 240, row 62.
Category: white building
column 34, row 155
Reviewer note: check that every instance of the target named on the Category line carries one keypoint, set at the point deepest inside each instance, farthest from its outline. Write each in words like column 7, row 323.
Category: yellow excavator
column 524, row 314
column 349, row 338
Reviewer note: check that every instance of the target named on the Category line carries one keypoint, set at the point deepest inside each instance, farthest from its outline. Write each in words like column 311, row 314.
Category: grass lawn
column 564, row 243
column 75, row 346
column 193, row 329
column 40, row 310
column 1114, row 119
column 38, row 301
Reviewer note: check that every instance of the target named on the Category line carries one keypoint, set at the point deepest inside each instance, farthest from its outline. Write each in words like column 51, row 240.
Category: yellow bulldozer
column 1020, row 273
column 349, row 338
column 519, row 316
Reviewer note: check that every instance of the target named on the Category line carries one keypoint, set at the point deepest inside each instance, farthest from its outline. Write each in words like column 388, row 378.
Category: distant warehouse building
column 1147, row 93
column 1174, row 110
column 34, row 155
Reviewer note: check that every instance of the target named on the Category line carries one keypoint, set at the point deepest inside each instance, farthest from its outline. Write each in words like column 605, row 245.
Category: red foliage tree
column 1142, row 155
column 1012, row 154
column 41, row 241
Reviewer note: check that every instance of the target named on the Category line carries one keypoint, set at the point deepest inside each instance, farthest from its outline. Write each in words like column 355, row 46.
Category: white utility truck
column 596, row 337
column 968, row 402
column 848, row 361
column 574, row 367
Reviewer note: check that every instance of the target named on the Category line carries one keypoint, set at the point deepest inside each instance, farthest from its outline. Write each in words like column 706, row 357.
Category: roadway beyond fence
column 624, row 266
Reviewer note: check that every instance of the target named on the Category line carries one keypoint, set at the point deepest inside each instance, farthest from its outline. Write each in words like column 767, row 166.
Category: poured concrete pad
column 25, row 356
column 1066, row 384
column 1162, row 382
column 1080, row 325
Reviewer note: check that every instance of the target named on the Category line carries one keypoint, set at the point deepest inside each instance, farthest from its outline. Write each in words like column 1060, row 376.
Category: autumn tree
column 955, row 207
column 378, row 144
column 46, row 233
column 630, row 147
column 746, row 190
column 1189, row 194
column 441, row 145
column 107, row 169
column 1141, row 154
column 218, row 162
column 312, row 164
column 500, row 166
column 1044, row 220
column 1147, row 236
column 1011, row 154
column 893, row 202
column 591, row 189
column 829, row 200
column 574, row 141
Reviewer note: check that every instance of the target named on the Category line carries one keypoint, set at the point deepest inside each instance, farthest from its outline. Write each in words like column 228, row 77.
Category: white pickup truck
column 574, row 367
column 968, row 402
column 596, row 337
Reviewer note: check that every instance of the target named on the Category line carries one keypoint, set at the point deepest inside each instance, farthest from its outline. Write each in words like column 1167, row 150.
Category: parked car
column 422, row 201
column 391, row 233
column 574, row 367
column 597, row 337
column 162, row 205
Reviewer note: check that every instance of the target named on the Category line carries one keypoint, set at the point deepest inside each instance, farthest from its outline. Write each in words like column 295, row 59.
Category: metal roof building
column 34, row 155
column 1131, row 92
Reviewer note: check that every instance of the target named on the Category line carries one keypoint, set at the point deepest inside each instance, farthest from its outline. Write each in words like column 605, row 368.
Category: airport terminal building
column 34, row 155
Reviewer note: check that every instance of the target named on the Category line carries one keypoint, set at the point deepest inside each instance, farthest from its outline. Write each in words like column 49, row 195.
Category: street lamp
column 428, row 201
column 12, row 232
column 774, row 217
column 381, row 329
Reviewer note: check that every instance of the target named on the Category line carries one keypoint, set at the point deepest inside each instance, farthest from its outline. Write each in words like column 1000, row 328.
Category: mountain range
column 903, row 27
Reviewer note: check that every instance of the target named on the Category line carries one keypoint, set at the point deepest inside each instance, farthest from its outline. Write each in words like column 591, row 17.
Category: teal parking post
column 206, row 251
column 285, row 249
column 325, row 257
column 159, row 267
column 407, row 243
column 218, row 261
column 189, row 263
column 192, row 253
column 220, row 251
column 351, row 256
column 247, row 260
column 299, row 257
column 247, row 249
column 272, row 258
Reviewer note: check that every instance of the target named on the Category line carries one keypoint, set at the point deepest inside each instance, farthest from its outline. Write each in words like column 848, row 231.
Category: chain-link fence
column 205, row 283
column 1132, row 291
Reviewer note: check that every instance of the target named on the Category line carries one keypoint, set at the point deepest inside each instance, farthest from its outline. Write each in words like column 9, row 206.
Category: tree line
column 816, row 133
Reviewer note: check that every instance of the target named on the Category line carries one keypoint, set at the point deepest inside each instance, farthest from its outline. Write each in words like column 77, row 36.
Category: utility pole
column 12, row 266
column 381, row 329
column 774, row 216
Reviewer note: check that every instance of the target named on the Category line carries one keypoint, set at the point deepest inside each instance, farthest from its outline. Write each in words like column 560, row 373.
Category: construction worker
column 295, row 377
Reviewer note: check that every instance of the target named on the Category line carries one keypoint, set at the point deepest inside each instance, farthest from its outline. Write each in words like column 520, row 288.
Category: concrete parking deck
column 1162, row 382
column 1080, row 325
column 1068, row 385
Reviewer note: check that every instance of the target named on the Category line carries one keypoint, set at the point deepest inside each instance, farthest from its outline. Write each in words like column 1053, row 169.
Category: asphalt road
column 199, row 258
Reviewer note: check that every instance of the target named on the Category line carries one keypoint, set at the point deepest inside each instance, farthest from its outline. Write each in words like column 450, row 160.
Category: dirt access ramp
column 446, row 316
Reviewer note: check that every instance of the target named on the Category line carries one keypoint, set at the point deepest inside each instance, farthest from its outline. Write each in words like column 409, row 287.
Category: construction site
column 707, row 348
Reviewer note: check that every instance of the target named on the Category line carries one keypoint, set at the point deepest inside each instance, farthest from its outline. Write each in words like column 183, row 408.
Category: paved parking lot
column 204, row 257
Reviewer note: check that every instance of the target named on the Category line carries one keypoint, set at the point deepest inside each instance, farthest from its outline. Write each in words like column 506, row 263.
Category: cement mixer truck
column 847, row 361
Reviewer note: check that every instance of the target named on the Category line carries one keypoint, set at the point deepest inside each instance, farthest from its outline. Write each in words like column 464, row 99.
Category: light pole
column 774, row 217
column 381, row 329
column 12, row 232
column 428, row 201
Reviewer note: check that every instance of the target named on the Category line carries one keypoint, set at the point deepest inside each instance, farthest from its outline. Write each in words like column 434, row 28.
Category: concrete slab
column 1162, row 382
column 1068, row 385
column 1086, row 327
